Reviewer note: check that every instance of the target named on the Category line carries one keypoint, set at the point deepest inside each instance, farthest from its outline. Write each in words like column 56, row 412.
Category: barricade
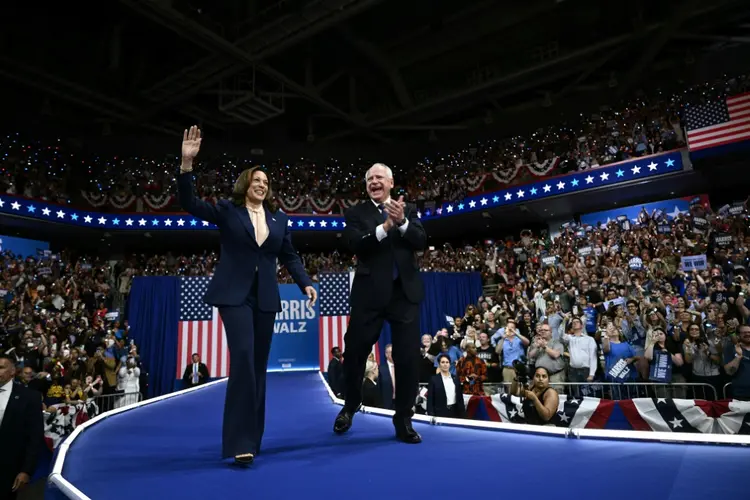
column 619, row 391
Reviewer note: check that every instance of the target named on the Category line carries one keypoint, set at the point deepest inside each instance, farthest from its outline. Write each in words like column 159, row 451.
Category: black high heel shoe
column 245, row 459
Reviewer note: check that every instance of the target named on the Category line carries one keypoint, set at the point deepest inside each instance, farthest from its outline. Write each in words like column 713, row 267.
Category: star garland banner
column 611, row 175
column 577, row 182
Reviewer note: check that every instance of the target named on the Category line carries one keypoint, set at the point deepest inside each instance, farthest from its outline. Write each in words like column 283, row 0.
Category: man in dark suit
column 196, row 373
column 336, row 373
column 385, row 235
column 21, row 431
column 386, row 379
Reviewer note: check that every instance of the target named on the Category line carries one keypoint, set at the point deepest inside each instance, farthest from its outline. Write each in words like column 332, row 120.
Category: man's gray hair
column 388, row 171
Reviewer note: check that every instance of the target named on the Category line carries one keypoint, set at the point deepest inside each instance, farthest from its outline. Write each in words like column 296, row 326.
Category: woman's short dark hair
column 542, row 368
column 243, row 184
column 443, row 355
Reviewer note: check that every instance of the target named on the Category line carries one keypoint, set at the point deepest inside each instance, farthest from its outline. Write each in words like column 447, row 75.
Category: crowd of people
column 641, row 126
column 67, row 343
column 611, row 309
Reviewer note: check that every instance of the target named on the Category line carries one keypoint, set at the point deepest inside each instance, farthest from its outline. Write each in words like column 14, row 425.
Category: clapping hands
column 395, row 212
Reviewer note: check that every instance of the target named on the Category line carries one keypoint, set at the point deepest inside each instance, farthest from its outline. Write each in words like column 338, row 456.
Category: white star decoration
column 572, row 181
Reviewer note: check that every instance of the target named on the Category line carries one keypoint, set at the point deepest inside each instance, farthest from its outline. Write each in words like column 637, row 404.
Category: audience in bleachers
column 638, row 127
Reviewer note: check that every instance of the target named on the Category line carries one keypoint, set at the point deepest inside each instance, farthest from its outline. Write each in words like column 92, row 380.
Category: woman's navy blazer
column 241, row 256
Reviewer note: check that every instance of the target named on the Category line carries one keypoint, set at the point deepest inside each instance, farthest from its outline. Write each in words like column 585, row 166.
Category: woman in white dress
column 128, row 381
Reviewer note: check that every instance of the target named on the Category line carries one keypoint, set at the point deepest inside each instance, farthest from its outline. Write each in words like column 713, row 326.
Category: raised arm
column 191, row 144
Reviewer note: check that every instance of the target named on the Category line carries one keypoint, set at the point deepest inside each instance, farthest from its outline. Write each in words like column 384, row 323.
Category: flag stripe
column 717, row 123
column 335, row 289
column 720, row 141
column 714, row 130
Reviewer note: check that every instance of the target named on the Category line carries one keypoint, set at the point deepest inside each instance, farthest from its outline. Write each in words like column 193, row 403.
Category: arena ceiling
column 320, row 70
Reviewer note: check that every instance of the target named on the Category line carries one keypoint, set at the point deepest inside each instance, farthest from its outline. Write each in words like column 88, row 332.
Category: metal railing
column 614, row 391
column 725, row 391
column 107, row 402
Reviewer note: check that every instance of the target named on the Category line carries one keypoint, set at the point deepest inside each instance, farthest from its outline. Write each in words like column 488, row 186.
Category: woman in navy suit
column 253, row 236
column 444, row 393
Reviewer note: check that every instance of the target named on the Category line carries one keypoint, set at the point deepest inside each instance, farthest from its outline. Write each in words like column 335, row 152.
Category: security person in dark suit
column 253, row 236
column 384, row 234
column 445, row 396
column 21, row 431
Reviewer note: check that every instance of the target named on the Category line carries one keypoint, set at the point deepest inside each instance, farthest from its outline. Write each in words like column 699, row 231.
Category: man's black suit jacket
column 373, row 278
column 336, row 376
column 21, row 435
column 187, row 377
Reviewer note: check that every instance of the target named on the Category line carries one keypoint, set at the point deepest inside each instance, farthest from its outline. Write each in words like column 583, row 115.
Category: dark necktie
column 384, row 215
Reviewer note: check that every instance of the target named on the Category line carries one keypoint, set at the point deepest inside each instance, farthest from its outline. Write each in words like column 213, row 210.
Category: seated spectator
column 444, row 392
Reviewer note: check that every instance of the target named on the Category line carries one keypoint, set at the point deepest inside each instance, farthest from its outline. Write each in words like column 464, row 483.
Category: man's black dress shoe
column 404, row 430
column 246, row 459
column 343, row 421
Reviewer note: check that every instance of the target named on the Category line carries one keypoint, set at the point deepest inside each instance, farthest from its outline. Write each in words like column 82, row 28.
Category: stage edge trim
column 670, row 437
column 66, row 487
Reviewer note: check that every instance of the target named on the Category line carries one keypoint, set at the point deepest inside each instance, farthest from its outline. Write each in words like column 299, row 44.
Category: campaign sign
column 21, row 247
column 295, row 332
column 661, row 367
column 694, row 263
column 620, row 371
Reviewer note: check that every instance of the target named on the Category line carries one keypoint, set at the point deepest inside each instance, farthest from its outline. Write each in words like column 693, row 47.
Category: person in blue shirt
column 512, row 348
column 453, row 352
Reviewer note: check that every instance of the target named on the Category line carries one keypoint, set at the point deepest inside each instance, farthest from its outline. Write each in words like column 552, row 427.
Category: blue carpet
column 171, row 449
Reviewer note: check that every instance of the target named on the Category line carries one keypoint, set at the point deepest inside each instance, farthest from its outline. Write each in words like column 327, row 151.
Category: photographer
column 540, row 401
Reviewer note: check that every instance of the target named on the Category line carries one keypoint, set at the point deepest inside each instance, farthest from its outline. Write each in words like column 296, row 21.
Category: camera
column 522, row 370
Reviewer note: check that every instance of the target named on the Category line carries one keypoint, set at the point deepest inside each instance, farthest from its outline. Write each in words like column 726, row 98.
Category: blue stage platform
column 171, row 449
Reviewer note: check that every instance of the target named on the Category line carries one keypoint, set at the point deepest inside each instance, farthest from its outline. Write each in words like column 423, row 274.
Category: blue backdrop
column 446, row 294
column 295, row 332
column 671, row 207
column 22, row 246
column 153, row 314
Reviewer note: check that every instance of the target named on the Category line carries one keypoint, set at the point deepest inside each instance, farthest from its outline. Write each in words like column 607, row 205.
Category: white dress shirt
column 5, row 391
column 380, row 233
column 450, row 389
column 391, row 369
column 583, row 353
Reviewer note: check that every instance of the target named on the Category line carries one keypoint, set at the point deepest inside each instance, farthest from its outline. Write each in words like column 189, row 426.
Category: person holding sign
column 663, row 354
column 619, row 357
column 254, row 235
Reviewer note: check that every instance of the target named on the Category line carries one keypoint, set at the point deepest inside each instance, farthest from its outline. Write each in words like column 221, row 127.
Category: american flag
column 200, row 330
column 718, row 123
column 334, row 314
